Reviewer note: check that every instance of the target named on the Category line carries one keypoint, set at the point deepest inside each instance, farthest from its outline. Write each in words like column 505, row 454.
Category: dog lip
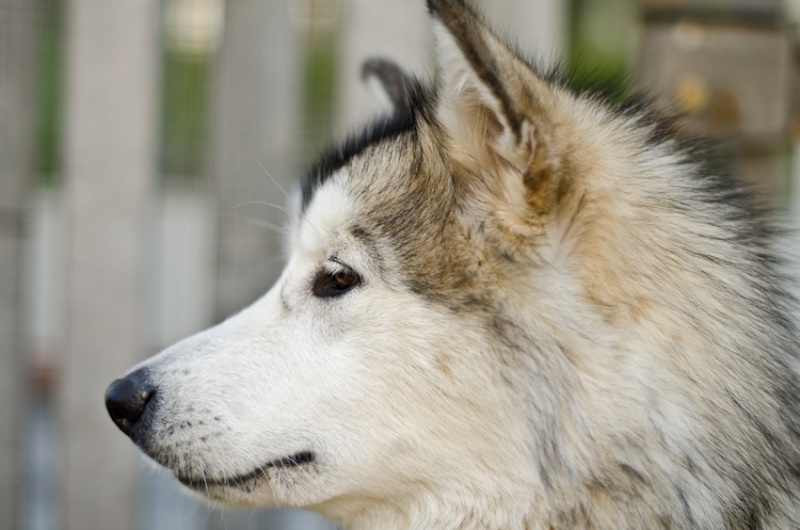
column 287, row 462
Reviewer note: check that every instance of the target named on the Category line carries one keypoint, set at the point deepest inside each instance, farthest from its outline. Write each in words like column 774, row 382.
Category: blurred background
column 143, row 148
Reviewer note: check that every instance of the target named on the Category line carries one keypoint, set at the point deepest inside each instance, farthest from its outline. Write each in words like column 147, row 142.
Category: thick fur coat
column 507, row 305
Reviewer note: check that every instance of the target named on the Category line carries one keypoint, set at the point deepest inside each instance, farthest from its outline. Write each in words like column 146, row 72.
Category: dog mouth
column 246, row 480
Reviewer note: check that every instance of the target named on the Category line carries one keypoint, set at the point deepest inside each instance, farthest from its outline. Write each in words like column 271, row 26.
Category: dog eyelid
column 332, row 283
column 335, row 259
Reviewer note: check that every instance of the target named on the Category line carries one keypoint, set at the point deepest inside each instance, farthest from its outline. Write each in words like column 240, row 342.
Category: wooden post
column 726, row 67
column 110, row 148
column 398, row 31
column 19, row 20
column 539, row 27
column 253, row 147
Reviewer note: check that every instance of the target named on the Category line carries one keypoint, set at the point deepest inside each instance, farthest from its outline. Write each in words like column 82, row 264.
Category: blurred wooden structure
column 255, row 131
column 730, row 69
column 110, row 153
column 20, row 23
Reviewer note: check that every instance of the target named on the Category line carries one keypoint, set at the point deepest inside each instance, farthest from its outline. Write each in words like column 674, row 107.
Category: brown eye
column 329, row 284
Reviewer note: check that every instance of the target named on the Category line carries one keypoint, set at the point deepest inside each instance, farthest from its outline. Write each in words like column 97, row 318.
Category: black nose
column 127, row 398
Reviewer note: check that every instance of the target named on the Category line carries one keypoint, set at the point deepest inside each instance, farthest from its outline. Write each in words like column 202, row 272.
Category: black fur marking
column 395, row 81
column 387, row 127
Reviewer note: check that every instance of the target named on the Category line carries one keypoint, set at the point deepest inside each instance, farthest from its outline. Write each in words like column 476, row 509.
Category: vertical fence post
column 19, row 33
column 110, row 145
column 393, row 30
column 539, row 27
column 255, row 118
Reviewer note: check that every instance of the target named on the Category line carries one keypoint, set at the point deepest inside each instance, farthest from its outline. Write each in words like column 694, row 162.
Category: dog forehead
column 327, row 214
column 339, row 155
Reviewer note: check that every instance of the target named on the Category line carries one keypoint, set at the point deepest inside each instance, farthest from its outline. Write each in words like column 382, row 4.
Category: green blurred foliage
column 602, row 36
column 185, row 110
column 47, row 161
column 319, row 96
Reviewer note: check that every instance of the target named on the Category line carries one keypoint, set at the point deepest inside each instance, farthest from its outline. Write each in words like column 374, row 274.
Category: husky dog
column 507, row 305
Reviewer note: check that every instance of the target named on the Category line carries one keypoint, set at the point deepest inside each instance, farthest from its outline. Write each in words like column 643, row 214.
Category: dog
column 507, row 305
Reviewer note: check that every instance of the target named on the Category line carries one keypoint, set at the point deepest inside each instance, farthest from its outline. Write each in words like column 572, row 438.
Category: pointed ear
column 390, row 85
column 490, row 102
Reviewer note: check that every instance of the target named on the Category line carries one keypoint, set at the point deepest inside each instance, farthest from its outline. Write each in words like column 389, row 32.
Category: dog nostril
column 126, row 400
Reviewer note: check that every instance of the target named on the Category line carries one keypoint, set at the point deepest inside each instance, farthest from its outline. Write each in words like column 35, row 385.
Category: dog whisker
column 272, row 178
column 262, row 203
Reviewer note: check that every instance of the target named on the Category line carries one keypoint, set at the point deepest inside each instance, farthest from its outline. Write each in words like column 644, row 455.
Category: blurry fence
column 142, row 145
column 19, row 44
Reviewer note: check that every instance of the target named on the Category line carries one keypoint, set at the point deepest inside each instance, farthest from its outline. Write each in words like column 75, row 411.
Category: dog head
column 348, row 378
column 471, row 309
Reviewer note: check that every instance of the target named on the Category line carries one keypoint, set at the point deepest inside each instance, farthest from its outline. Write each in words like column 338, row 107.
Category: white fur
column 322, row 376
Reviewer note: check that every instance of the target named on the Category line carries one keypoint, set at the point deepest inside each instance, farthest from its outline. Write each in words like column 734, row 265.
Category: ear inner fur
column 498, row 114
column 470, row 38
